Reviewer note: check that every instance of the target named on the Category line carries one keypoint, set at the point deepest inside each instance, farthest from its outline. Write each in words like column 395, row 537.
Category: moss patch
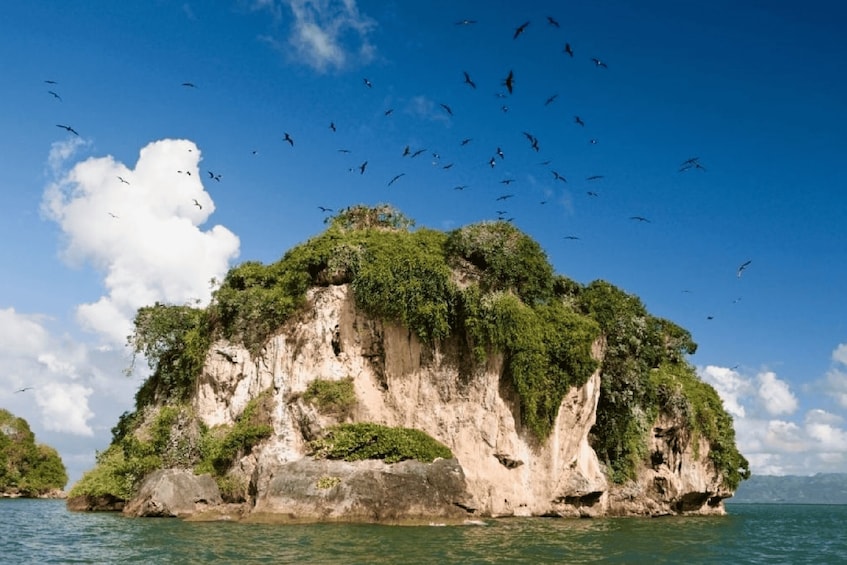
column 356, row 442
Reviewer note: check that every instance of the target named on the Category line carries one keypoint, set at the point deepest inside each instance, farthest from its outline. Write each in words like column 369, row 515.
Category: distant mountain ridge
column 823, row 488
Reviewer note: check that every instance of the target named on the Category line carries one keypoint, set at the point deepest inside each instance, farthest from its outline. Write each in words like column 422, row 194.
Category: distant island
column 823, row 488
column 27, row 469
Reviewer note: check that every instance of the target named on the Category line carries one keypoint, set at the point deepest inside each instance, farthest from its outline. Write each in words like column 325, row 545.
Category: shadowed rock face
column 366, row 491
column 499, row 468
column 173, row 493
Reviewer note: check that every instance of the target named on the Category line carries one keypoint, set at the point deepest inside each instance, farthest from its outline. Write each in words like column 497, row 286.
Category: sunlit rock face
column 471, row 408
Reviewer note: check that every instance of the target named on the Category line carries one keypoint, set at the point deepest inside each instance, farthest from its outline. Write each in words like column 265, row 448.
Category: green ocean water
column 41, row 531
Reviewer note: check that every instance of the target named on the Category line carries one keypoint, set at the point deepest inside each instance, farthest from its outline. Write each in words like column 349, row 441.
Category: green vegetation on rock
column 331, row 397
column 356, row 442
column 489, row 287
column 27, row 468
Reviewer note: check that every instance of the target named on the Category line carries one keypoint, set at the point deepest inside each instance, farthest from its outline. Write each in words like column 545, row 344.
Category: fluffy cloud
column 64, row 408
column 816, row 441
column 325, row 34
column 140, row 227
column 775, row 394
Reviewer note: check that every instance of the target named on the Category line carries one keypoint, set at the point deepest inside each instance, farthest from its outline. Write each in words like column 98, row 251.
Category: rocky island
column 27, row 469
column 382, row 373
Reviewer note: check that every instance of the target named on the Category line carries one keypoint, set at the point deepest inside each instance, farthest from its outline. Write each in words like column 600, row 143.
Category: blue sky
column 753, row 90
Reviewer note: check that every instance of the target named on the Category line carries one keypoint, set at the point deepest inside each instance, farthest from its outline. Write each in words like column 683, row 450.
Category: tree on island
column 26, row 468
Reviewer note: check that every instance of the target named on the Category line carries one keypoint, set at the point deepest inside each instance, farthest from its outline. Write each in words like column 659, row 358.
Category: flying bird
column 492, row 162
column 520, row 29
column 69, row 128
column 447, row 166
column 594, row 177
column 407, row 151
column 468, row 79
column 557, row 176
column 465, row 22
column 189, row 85
column 507, row 182
column 743, row 266
column 368, row 83
column 505, row 196
column 214, row 176
column 466, row 141
column 571, row 237
column 509, row 81
column 592, row 193
column 113, row 215
column 343, row 150
column 51, row 82
column 578, row 120
column 447, row 108
column 389, row 112
column 568, row 49
column 288, row 139
column 332, row 126
column 552, row 21
column 26, row 388
column 123, row 180
column 599, row 63
column 639, row 219
column 460, row 187
column 500, row 153
column 324, row 209
column 551, row 99
column 418, row 152
column 362, row 168
column 55, row 95
column 197, row 203
column 393, row 180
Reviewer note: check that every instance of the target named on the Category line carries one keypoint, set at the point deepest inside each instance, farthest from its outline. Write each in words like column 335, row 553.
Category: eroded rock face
column 366, row 491
column 174, row 493
column 400, row 381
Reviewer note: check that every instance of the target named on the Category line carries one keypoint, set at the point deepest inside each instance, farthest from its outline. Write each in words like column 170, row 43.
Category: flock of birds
column 510, row 85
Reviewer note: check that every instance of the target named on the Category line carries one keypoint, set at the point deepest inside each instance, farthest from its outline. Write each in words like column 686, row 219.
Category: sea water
column 43, row 531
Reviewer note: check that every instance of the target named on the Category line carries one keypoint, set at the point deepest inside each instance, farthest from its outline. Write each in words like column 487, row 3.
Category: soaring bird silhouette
column 189, row 85
column 123, row 180
column 500, row 153
column 460, row 187
column 396, row 177
column 418, row 152
column 197, row 203
column 505, row 196
column 568, row 49
column 552, row 21
column 468, row 79
column 466, row 141
column 214, row 176
column 389, row 112
column 557, row 176
column 571, row 237
column 447, row 108
column 578, row 120
column 599, row 63
column 465, row 22
column 407, row 151
column 332, row 126
column 594, row 177
column 56, row 96
column 113, row 215
column 507, row 182
column 492, row 162
column 592, row 194
column 324, row 209
column 520, row 29
column 68, row 128
column 368, row 83
column 288, row 139
column 743, row 266
column 639, row 219
column 26, row 388
column 362, row 168
column 51, row 82
column 509, row 81
column 550, row 100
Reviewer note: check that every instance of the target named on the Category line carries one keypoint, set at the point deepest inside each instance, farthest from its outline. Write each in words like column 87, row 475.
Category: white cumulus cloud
column 64, row 408
column 730, row 386
column 775, row 394
column 141, row 228
column 836, row 378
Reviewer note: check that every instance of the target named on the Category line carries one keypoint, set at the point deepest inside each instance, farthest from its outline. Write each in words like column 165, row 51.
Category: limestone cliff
column 401, row 382
column 473, row 380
